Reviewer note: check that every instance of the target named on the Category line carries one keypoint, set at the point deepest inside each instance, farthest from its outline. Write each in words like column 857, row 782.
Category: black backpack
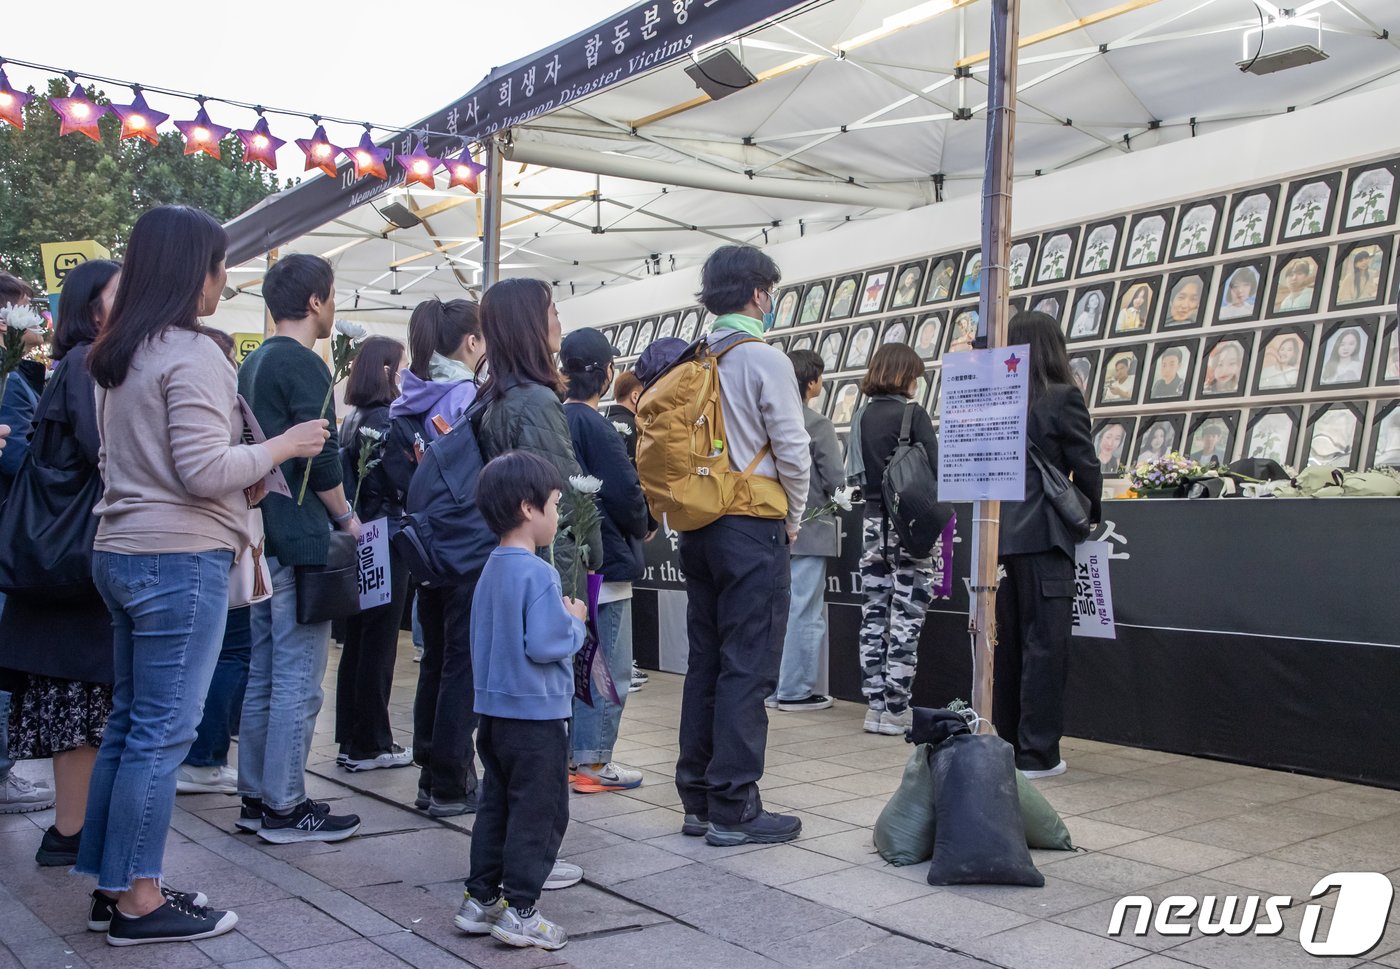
column 403, row 446
column 910, row 493
column 442, row 537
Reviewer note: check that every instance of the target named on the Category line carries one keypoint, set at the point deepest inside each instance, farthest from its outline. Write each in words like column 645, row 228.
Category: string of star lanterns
column 78, row 113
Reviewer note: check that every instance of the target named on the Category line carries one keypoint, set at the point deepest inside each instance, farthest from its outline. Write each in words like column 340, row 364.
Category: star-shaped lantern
column 77, row 112
column 419, row 167
column 139, row 120
column 319, row 151
column 368, row 158
column 202, row 135
column 259, row 144
column 12, row 102
column 465, row 173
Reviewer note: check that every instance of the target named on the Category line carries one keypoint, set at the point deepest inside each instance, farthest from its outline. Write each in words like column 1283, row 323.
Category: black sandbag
column 980, row 839
column 935, row 726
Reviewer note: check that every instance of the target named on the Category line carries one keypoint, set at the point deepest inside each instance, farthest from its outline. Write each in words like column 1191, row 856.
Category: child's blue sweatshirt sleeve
column 551, row 634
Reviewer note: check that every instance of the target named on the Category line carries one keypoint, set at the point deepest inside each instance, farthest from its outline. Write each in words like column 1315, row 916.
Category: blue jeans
column 6, row 761
column 417, row 626
column 225, row 699
column 595, row 727
column 168, row 615
column 802, row 647
column 283, row 698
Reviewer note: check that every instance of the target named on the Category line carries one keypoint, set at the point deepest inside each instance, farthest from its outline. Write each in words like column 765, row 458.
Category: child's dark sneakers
column 175, row 921
column 102, row 907
column 308, row 821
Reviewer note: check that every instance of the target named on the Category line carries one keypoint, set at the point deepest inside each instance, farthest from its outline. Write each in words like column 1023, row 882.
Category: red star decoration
column 78, row 113
column 139, row 120
column 12, row 102
column 202, row 135
column 1012, row 362
column 368, row 158
column 465, row 173
column 259, row 144
column 419, row 167
column 319, row 151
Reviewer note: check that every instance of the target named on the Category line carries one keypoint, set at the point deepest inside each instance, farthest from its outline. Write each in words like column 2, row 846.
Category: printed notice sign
column 1093, row 594
column 982, row 432
column 376, row 588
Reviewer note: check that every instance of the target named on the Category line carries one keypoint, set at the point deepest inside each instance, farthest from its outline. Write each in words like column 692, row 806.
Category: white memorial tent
column 820, row 116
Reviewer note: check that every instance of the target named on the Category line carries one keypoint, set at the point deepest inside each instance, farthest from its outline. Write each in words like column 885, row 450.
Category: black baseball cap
column 586, row 350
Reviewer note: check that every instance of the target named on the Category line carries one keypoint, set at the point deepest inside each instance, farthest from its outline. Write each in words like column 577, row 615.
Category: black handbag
column 329, row 592
column 47, row 526
column 1067, row 500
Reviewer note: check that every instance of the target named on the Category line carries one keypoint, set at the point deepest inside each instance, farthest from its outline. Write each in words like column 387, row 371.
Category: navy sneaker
column 100, row 912
column 250, row 815
column 765, row 828
column 308, row 821
column 695, row 825
column 175, row 921
column 58, row 850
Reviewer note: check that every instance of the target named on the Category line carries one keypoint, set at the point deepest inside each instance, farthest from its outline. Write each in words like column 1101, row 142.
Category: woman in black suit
column 1034, row 600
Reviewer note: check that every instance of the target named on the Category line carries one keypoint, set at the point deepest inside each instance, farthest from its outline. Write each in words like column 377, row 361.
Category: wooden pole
column 994, row 309
column 491, row 217
column 272, row 255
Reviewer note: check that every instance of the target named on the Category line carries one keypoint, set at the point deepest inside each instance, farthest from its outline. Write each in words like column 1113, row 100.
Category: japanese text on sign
column 982, row 433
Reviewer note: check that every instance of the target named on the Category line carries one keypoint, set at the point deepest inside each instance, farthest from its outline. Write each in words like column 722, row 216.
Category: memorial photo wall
column 1258, row 322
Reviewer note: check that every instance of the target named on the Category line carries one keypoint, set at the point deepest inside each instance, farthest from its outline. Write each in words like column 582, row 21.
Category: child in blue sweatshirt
column 524, row 634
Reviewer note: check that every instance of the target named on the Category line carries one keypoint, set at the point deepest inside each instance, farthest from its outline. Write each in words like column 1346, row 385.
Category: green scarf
column 738, row 321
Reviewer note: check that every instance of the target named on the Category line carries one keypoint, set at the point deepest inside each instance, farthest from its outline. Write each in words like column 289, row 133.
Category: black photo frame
column 1344, row 354
column 908, row 284
column 1388, row 370
column 831, row 348
column 646, row 332
column 1135, row 308
column 1186, row 302
column 1210, row 439
column 1173, row 364
column 964, row 328
column 970, row 279
column 1148, row 236
column 625, row 335
column 896, row 330
column 1197, row 229
column 1251, row 222
column 1100, row 252
column 690, row 323
column 788, row 304
column 1243, row 291
column 1333, row 435
column 1112, row 448
column 943, row 278
column 1083, row 368
column 1051, row 303
column 844, row 402
column 1089, row 312
column 1021, row 260
column 873, row 292
column 860, row 346
column 818, row 403
column 668, row 325
column 1058, row 248
column 813, row 302
column 1371, row 196
column 1310, row 208
column 1158, row 435
column 1282, row 364
column 1361, row 276
column 1224, row 368
column 1120, row 384
column 1298, row 276
column 932, row 377
column 806, row 341
column 928, row 336
column 1272, row 434
column 844, row 295
column 1385, row 436
column 779, row 342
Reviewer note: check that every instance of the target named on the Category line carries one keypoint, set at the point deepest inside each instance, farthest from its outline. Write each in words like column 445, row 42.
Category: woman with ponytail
column 445, row 349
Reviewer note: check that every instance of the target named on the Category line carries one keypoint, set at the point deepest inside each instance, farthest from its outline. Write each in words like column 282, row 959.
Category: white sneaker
column 533, row 929
column 395, row 757
column 872, row 721
column 477, row 919
column 894, row 724
column 609, row 777
column 1055, row 771
column 19, row 796
column 563, row 875
column 771, row 702
column 204, row 780
column 418, row 654
column 229, row 775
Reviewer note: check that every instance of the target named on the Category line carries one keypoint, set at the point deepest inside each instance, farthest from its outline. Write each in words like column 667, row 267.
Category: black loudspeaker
column 720, row 74
column 398, row 214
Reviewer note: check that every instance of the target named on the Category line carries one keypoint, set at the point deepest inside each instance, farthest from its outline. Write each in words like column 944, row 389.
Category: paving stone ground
column 1146, row 822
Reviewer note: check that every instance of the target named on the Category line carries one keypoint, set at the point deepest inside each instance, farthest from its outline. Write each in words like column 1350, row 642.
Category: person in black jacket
column 366, row 672
column 627, row 390
column 586, row 359
column 1034, row 599
column 896, row 585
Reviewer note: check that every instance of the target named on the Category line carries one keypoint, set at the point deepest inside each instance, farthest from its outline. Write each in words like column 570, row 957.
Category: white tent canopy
column 860, row 108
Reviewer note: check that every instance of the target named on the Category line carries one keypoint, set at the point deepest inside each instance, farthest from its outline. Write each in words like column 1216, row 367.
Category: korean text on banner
column 1093, row 593
column 376, row 587
column 982, row 434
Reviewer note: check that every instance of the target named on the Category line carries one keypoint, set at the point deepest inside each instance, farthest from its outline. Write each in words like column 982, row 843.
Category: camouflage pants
column 897, row 595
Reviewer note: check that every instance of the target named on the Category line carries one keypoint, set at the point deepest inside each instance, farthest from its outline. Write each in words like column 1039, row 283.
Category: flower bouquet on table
column 578, row 517
column 1168, row 477
column 19, row 323
column 345, row 347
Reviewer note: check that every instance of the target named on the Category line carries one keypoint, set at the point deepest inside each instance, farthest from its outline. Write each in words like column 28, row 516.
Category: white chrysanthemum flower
column 585, row 484
column 842, row 497
column 370, row 434
column 354, row 332
column 21, row 318
column 622, row 428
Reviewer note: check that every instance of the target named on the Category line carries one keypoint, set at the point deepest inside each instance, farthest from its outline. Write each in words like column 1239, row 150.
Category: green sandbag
column 905, row 830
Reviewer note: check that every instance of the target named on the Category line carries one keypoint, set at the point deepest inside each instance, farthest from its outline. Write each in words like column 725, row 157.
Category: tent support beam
column 491, row 216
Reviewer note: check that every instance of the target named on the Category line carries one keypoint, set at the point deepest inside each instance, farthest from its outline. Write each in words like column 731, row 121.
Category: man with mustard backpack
column 730, row 470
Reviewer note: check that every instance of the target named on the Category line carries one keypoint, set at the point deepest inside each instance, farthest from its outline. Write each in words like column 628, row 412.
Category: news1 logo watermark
column 1358, row 918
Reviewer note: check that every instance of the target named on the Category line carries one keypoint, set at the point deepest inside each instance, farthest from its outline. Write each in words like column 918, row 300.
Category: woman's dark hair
column 371, row 381
column 438, row 327
column 730, row 276
column 225, row 342
column 173, row 251
column 1049, row 363
column 13, row 290
column 808, row 366
column 292, row 281
column 515, row 322
column 510, row 480
column 77, row 310
column 585, row 384
column 894, row 367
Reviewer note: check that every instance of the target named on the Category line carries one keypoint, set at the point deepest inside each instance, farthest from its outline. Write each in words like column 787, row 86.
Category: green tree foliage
column 56, row 188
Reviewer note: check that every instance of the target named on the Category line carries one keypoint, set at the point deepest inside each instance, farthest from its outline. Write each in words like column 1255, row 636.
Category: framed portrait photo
column 1344, row 356
column 1333, row 436
column 819, row 402
column 1147, row 238
column 908, row 283
column 1171, row 370
column 1388, row 373
column 668, row 326
column 1198, row 228
column 843, row 298
column 1122, row 370
column 942, row 278
column 1082, row 367
column 1272, row 434
column 1158, row 436
column 1385, row 436
column 1283, row 360
column 1187, row 297
column 646, row 332
column 930, row 395
column 963, row 331
column 896, row 330
column 829, row 348
column 1211, row 439
column 1089, row 312
column 1100, row 253
column 1137, row 298
column 1022, row 258
column 1251, row 218
column 874, row 290
column 1056, row 255
column 1052, row 304
column 970, row 283
column 1297, row 282
column 624, row 338
column 1113, row 439
column 787, row 307
column 844, row 402
column 813, row 302
column 1312, row 203
column 1226, row 365
column 805, row 342
column 1241, row 297
column 1370, row 196
column 780, row 342
column 610, row 334
column 860, row 346
column 1361, row 273
column 928, row 336
column 690, row 322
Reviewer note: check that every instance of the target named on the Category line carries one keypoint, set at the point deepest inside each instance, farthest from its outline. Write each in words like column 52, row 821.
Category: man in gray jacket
column 819, row 539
